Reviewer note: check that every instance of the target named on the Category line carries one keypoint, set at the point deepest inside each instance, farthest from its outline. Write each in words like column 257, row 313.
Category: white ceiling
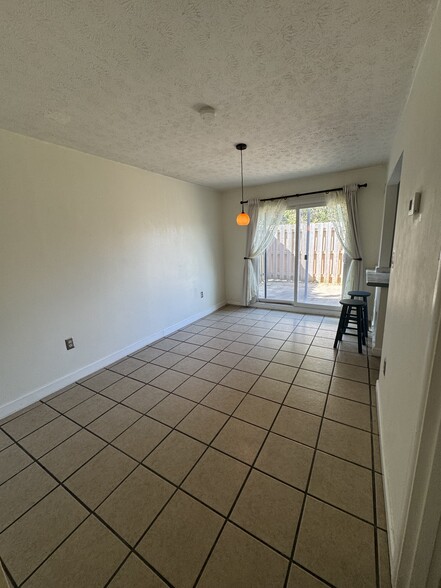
column 311, row 85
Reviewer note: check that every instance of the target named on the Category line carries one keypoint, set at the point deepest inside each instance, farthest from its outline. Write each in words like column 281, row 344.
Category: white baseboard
column 376, row 351
column 235, row 303
column 390, row 526
column 87, row 370
column 300, row 309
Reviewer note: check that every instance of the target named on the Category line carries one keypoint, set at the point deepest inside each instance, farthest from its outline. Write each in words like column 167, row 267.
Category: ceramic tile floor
column 241, row 451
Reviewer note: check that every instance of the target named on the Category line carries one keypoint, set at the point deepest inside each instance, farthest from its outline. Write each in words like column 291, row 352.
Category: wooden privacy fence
column 325, row 262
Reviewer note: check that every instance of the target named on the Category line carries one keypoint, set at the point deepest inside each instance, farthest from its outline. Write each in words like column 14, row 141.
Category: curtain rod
column 302, row 194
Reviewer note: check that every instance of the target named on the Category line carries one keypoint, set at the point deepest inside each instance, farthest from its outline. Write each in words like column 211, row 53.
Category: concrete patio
column 322, row 294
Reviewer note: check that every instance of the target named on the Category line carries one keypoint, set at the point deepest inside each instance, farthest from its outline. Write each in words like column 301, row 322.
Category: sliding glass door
column 304, row 263
column 278, row 264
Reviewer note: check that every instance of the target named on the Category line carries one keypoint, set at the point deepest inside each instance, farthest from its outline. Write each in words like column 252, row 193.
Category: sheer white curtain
column 264, row 220
column 342, row 206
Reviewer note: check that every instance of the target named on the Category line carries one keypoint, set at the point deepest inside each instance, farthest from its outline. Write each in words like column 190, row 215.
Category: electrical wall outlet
column 69, row 343
column 384, row 367
column 202, row 294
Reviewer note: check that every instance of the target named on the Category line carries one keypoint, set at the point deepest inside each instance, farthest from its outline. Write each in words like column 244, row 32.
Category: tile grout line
column 136, row 554
column 174, row 428
column 108, row 368
column 227, row 518
column 312, row 467
column 9, row 578
column 229, row 417
column 302, row 510
column 121, row 402
column 184, row 479
column 145, row 414
column 91, row 511
column 44, row 402
column 75, row 497
column 84, row 427
column 308, row 480
column 141, row 463
column 179, row 486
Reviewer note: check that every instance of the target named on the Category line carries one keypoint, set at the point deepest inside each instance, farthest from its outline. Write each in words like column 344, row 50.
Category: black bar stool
column 364, row 295
column 352, row 311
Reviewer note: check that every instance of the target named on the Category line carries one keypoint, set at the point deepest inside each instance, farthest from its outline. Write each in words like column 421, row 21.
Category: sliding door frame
column 303, row 202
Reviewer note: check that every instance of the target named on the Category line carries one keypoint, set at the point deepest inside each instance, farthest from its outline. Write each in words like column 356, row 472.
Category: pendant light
column 242, row 218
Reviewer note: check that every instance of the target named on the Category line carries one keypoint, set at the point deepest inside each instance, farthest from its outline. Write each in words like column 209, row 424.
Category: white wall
column 410, row 313
column 370, row 212
column 95, row 250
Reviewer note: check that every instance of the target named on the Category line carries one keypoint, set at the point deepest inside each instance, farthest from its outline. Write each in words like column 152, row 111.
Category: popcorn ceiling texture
column 312, row 87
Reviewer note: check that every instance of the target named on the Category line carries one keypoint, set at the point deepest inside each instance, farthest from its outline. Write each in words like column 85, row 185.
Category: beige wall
column 102, row 252
column 410, row 312
column 370, row 212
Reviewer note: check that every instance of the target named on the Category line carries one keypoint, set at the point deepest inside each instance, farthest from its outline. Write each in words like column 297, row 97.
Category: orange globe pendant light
column 242, row 218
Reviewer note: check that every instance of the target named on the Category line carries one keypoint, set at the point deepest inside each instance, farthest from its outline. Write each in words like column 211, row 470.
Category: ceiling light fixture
column 208, row 113
column 242, row 218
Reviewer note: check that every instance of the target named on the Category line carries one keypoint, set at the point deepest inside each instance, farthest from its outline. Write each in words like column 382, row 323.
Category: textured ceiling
column 311, row 86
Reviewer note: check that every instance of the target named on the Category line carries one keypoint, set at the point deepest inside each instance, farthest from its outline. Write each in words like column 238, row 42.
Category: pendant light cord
column 241, row 176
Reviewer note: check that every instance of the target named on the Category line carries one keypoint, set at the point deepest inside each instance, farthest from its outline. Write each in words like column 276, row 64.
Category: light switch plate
column 414, row 204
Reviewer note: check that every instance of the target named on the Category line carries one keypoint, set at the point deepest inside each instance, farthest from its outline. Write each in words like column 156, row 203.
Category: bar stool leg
column 365, row 312
column 348, row 311
column 340, row 328
column 337, row 334
column 360, row 328
column 363, row 322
